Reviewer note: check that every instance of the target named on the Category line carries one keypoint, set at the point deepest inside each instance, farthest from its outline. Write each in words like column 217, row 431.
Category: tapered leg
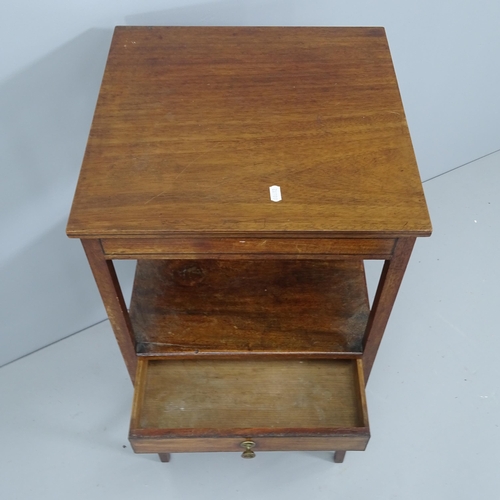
column 111, row 294
column 390, row 280
column 164, row 457
column 338, row 456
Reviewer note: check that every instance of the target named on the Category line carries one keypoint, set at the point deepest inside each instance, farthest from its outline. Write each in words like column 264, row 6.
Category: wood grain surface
column 193, row 125
column 231, row 308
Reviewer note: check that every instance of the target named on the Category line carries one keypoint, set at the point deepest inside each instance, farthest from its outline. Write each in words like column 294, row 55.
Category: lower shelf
column 277, row 404
column 301, row 309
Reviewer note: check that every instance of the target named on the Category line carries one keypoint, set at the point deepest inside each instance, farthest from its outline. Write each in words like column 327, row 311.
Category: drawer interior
column 178, row 400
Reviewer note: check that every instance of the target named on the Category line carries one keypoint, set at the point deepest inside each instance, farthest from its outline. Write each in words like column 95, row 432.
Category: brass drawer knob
column 248, row 453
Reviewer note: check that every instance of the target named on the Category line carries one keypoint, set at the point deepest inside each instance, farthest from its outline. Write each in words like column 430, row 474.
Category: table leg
column 164, row 457
column 390, row 280
column 111, row 294
column 338, row 456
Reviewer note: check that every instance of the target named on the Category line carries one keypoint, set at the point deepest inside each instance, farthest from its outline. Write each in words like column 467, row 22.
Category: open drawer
column 273, row 404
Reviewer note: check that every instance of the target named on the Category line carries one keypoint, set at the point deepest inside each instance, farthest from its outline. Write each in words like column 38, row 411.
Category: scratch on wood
column 156, row 196
column 182, row 171
column 195, row 160
column 183, row 346
column 188, row 165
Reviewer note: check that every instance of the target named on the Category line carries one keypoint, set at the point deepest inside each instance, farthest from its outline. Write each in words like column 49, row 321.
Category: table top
column 193, row 125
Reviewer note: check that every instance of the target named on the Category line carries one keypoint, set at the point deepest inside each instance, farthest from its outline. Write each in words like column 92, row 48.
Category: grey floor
column 432, row 398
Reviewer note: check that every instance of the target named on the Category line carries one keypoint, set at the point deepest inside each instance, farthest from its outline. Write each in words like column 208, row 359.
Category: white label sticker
column 275, row 192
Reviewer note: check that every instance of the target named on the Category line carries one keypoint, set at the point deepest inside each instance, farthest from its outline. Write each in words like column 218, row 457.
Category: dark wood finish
column 278, row 404
column 234, row 308
column 109, row 288
column 249, row 248
column 193, row 125
column 164, row 457
column 338, row 456
column 390, row 281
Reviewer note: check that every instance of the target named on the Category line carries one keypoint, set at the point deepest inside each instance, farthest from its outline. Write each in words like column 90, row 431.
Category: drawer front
column 195, row 445
column 252, row 248
column 217, row 405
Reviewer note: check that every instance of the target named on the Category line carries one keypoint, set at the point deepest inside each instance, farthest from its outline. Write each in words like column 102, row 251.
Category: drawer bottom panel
column 215, row 405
